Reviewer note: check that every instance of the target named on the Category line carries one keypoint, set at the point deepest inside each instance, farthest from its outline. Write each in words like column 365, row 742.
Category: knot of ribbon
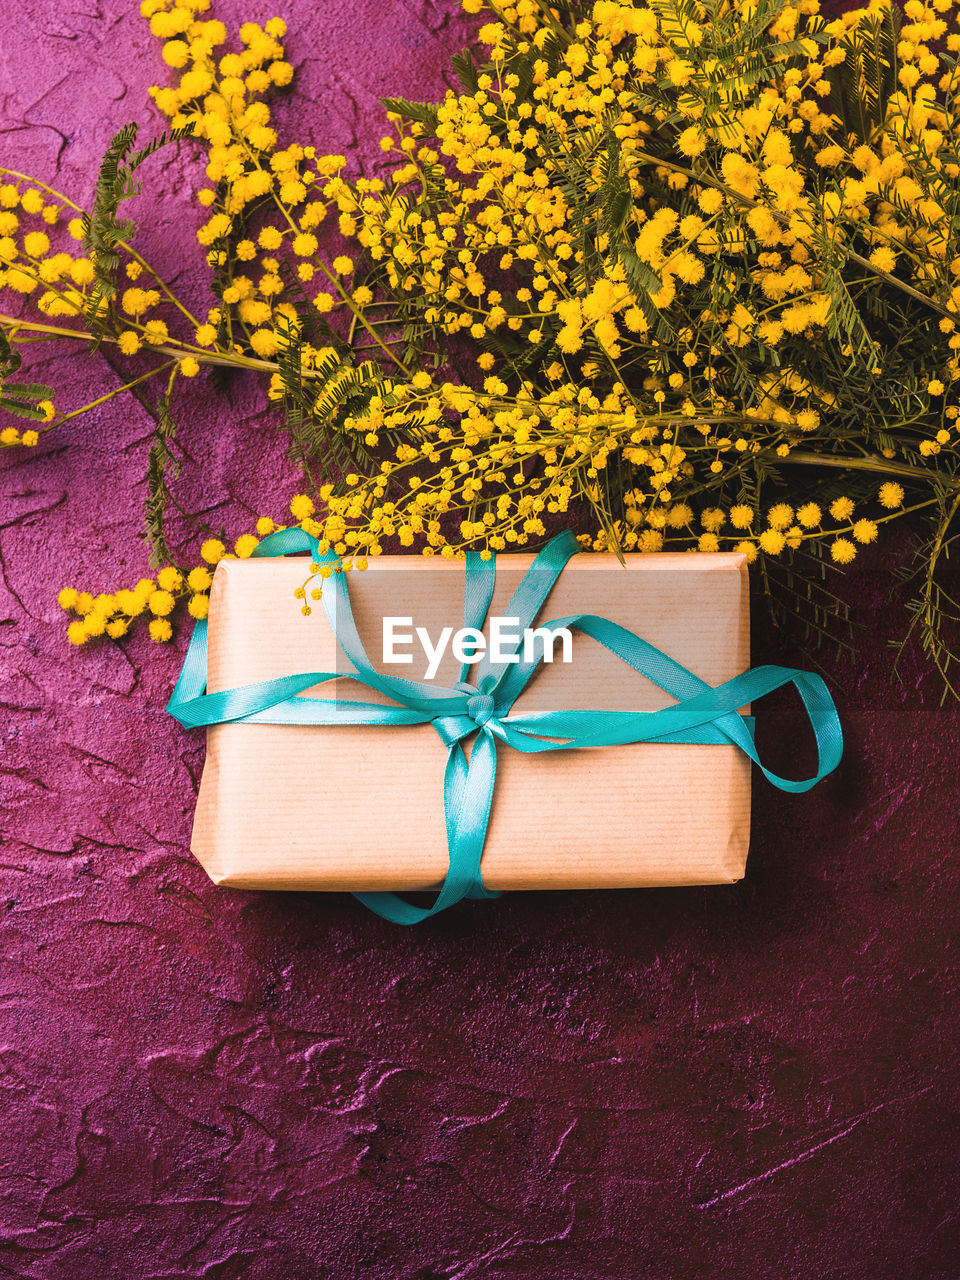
column 481, row 709
column 701, row 713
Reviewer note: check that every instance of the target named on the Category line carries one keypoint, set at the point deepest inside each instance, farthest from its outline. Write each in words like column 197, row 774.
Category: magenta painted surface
column 758, row 1080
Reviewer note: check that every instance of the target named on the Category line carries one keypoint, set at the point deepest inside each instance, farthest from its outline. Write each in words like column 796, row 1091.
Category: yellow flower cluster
column 221, row 97
column 57, row 279
column 10, row 436
column 154, row 598
column 111, row 614
column 489, row 466
column 638, row 265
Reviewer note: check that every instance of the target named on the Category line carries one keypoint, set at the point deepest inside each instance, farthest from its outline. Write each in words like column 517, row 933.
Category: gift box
column 367, row 807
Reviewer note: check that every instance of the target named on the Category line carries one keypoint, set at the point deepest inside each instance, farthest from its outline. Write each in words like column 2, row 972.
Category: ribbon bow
column 701, row 714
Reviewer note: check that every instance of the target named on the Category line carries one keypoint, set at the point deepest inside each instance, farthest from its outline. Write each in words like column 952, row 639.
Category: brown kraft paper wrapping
column 361, row 808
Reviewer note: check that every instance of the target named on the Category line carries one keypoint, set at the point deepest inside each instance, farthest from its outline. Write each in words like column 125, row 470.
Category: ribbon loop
column 701, row 714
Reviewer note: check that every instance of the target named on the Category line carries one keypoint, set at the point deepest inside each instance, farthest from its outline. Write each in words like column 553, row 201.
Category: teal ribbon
column 701, row 714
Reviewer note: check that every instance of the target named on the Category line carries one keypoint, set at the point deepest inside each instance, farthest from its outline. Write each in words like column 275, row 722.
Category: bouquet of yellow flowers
column 684, row 272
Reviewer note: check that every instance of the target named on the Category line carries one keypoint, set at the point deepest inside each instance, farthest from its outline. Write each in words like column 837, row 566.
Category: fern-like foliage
column 318, row 399
column 862, row 84
column 933, row 605
column 161, row 465
column 103, row 231
column 19, row 398
column 423, row 112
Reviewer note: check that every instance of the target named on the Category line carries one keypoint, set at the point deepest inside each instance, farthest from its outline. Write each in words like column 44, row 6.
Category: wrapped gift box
column 361, row 808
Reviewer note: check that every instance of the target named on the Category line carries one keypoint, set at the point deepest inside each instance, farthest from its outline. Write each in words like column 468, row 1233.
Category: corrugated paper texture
column 289, row 807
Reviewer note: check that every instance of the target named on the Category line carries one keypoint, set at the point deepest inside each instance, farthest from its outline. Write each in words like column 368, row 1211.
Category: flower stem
column 13, row 324
column 881, row 466
column 127, row 386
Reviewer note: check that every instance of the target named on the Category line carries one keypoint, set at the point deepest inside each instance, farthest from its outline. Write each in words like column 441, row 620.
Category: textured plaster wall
column 758, row 1080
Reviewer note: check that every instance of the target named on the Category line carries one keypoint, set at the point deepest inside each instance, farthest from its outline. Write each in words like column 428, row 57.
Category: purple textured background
column 756, row 1080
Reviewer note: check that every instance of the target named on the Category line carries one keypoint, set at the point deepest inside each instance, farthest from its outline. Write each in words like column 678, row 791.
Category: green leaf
column 422, row 112
column 160, row 464
column 19, row 398
column 103, row 231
